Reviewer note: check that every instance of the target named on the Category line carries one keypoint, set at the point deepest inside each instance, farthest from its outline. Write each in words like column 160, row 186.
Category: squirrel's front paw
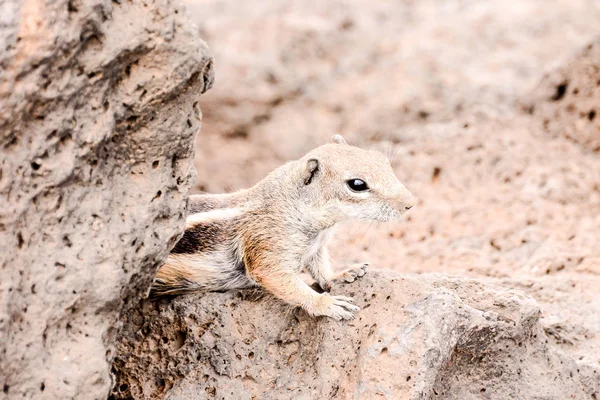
column 336, row 307
column 352, row 273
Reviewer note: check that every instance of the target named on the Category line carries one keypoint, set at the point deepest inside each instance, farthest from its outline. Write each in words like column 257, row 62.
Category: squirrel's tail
column 182, row 274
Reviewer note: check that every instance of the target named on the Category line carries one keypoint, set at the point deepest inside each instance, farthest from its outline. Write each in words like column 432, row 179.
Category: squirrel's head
column 354, row 183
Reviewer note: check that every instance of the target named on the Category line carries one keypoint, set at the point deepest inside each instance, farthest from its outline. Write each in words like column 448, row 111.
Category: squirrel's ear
column 338, row 139
column 312, row 169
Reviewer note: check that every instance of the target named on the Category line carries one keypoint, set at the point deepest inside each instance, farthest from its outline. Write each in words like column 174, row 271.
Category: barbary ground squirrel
column 266, row 235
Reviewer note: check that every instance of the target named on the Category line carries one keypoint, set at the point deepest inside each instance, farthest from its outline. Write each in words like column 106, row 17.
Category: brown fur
column 264, row 236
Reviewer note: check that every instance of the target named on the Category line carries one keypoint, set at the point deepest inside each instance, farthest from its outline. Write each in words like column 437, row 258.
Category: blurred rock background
column 469, row 100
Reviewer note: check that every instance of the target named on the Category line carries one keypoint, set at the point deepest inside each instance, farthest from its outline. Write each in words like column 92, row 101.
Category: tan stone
column 98, row 114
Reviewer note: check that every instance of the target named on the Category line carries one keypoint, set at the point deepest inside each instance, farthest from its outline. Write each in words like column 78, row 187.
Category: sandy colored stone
column 417, row 337
column 567, row 100
column 98, row 114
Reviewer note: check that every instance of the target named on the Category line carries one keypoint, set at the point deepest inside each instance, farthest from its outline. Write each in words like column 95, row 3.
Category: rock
column 567, row 100
column 417, row 337
column 98, row 114
column 570, row 318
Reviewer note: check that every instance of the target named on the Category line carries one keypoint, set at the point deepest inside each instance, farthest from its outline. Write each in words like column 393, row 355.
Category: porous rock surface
column 567, row 100
column 416, row 337
column 98, row 114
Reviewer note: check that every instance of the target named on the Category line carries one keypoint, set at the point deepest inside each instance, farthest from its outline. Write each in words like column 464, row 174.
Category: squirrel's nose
column 409, row 202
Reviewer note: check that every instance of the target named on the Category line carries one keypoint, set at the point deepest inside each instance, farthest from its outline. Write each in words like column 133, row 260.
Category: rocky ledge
column 416, row 337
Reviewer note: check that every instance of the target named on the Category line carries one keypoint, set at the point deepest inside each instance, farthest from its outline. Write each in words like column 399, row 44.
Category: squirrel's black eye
column 357, row 185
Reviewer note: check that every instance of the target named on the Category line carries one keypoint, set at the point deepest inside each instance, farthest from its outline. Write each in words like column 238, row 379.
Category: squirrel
column 267, row 234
